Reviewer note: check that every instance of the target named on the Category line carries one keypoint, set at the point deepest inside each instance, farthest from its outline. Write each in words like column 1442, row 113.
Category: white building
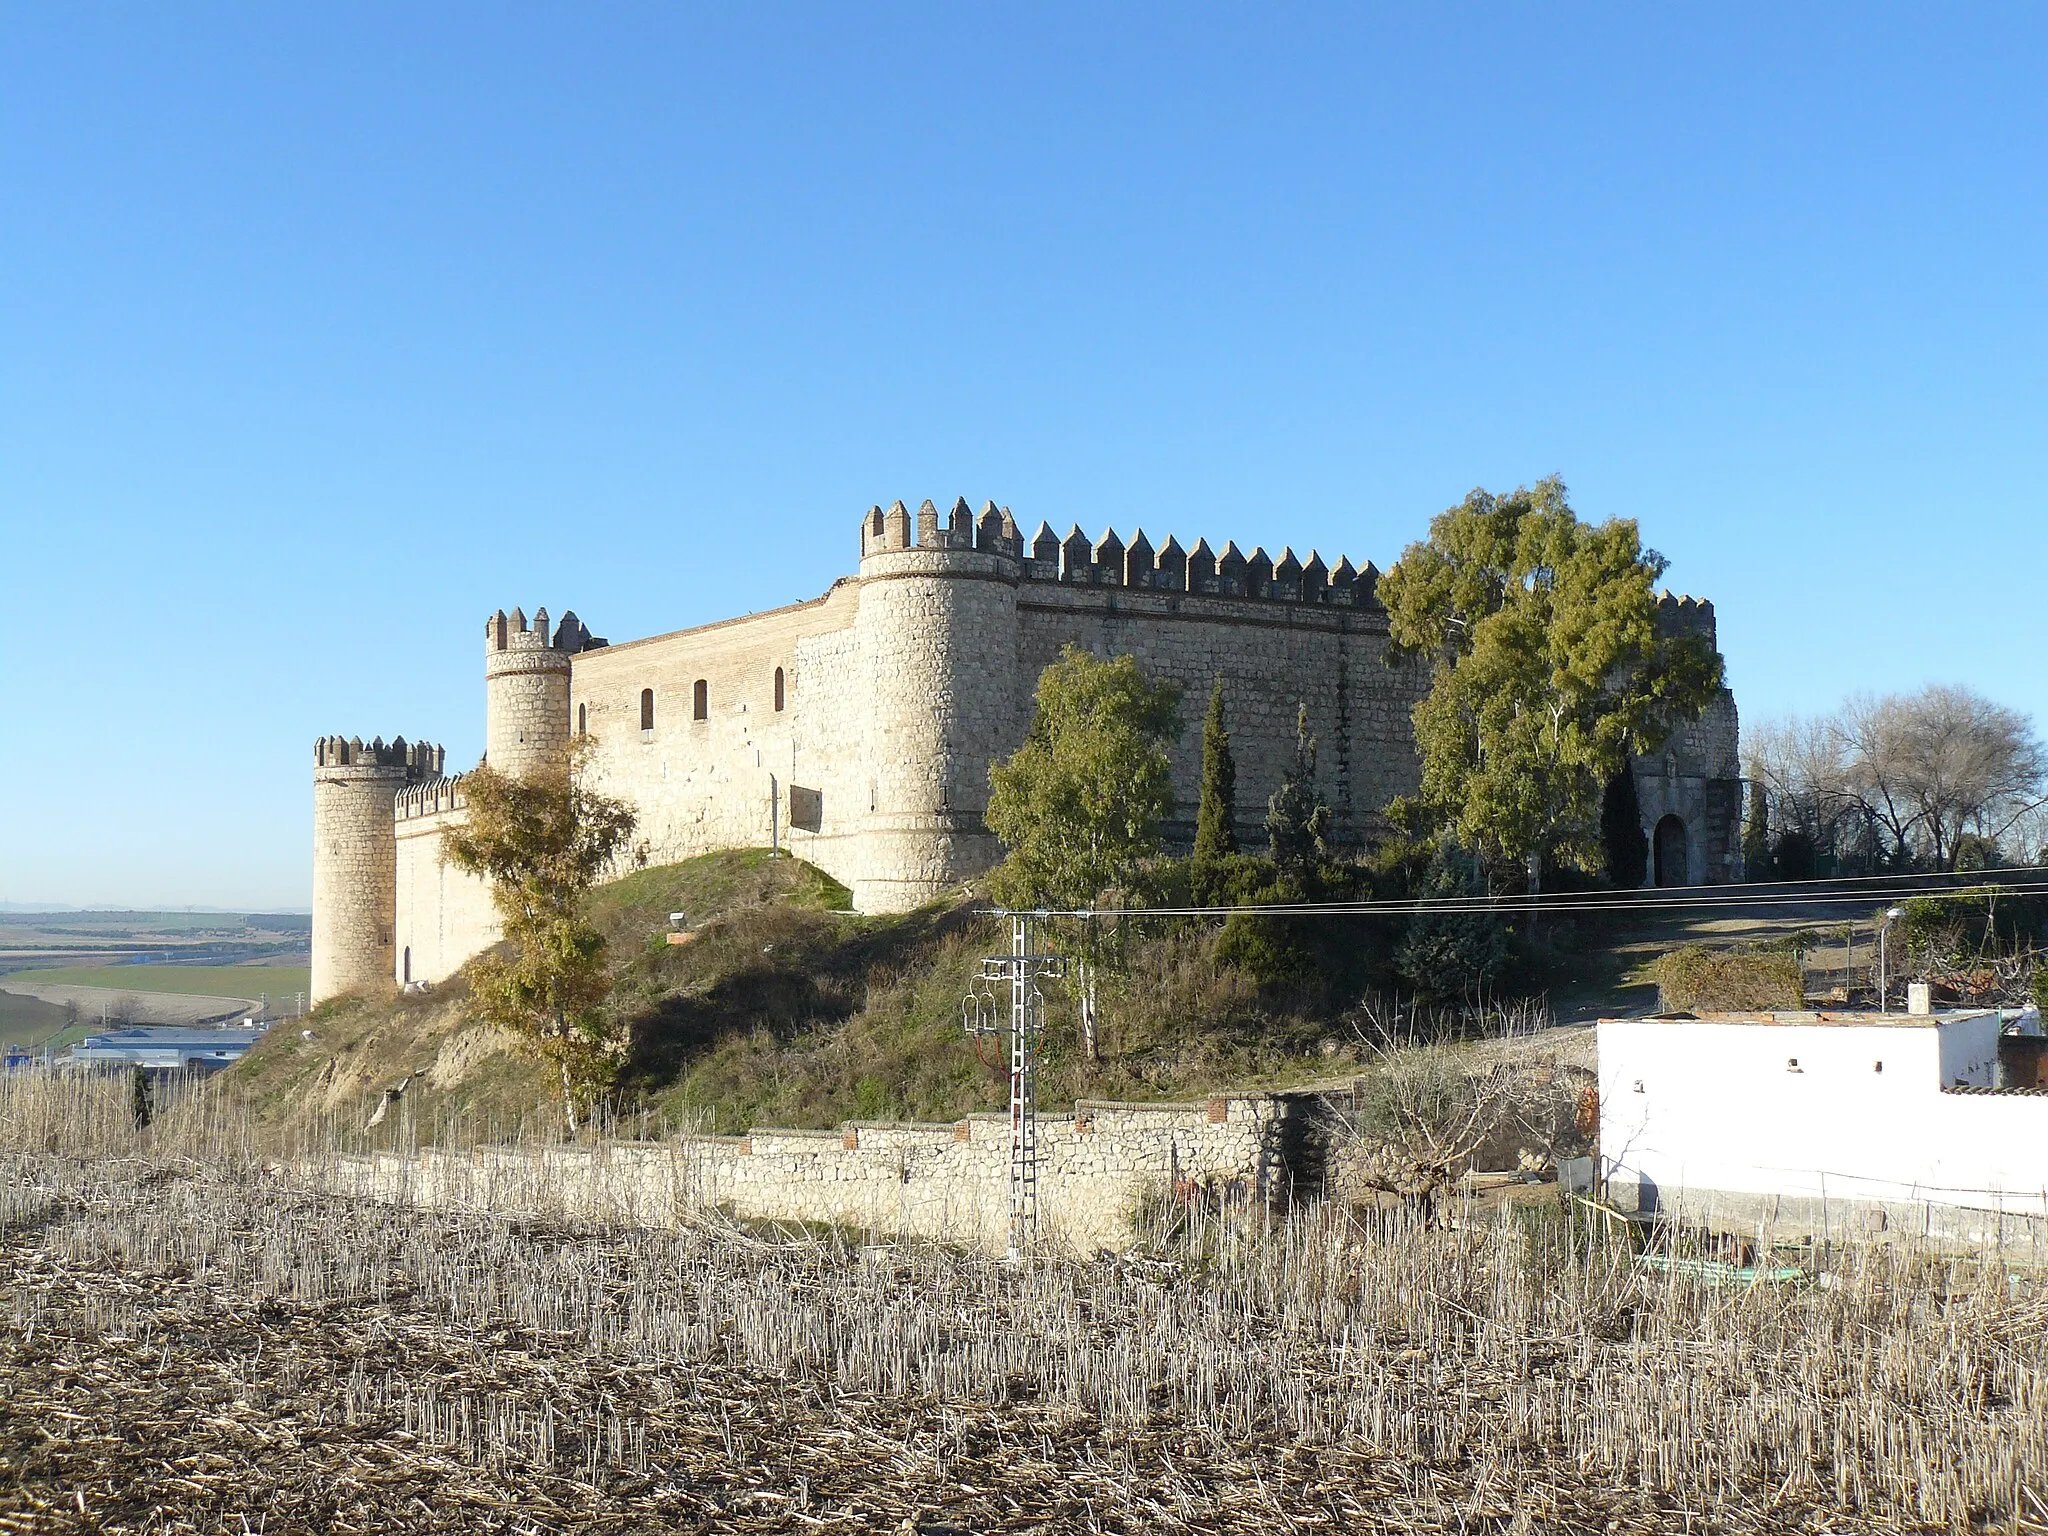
column 1842, row 1121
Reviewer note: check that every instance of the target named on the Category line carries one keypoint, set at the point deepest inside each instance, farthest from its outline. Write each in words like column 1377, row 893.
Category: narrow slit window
column 582, row 719
column 646, row 709
column 701, row 701
column 778, row 690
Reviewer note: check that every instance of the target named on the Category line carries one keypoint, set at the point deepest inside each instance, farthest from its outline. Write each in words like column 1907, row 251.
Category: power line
column 1841, row 889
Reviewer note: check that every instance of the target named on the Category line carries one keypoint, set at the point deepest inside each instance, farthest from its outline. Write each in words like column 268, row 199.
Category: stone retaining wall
column 950, row 1183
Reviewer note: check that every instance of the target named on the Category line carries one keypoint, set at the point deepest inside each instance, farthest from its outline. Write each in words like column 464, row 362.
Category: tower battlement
column 431, row 797
column 526, row 687
column 1112, row 561
column 1686, row 616
column 355, row 855
column 417, row 759
column 509, row 632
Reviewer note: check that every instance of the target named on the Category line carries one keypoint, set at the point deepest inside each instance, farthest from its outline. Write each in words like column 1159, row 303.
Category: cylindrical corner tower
column 938, row 639
column 526, row 691
column 355, row 857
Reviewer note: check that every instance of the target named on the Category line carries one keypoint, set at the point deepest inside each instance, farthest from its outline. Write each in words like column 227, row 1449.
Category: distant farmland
column 249, row 981
column 30, row 1021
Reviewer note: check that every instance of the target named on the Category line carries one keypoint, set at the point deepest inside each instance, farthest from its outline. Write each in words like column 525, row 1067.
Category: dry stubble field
column 191, row 1340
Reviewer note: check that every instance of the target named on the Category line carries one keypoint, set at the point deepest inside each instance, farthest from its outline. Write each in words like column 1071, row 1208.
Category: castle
column 858, row 728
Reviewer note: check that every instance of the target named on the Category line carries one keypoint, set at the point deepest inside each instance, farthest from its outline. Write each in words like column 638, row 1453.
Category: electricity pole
column 1021, row 968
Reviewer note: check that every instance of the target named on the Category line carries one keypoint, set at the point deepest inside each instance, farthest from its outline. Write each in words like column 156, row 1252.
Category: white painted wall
column 1804, row 1109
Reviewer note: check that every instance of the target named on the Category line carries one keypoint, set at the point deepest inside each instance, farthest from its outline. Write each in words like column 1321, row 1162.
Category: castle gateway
column 859, row 727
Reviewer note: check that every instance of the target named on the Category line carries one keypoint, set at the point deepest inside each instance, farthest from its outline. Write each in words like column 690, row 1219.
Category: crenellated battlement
column 430, row 798
column 1686, row 616
column 505, row 632
column 1112, row 561
column 417, row 758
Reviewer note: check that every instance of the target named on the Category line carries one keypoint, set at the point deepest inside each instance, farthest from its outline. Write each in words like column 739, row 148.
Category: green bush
column 1452, row 957
column 1947, row 929
column 1270, row 951
column 2041, row 987
column 1696, row 979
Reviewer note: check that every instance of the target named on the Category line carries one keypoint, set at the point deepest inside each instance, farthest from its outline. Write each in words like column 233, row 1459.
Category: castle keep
column 859, row 727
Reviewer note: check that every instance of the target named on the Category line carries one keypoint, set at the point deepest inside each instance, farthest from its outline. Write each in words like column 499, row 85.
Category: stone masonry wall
column 526, row 690
column 1273, row 658
column 700, row 785
column 948, row 1183
column 902, row 685
column 355, row 874
column 444, row 915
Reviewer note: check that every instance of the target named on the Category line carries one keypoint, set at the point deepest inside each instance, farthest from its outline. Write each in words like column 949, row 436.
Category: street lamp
column 1884, row 974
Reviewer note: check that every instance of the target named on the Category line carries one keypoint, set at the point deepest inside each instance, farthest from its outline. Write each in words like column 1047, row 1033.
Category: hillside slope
column 786, row 1009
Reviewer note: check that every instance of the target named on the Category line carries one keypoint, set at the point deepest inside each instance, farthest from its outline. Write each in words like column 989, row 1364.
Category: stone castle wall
column 903, row 685
column 443, row 915
column 706, row 784
column 355, row 859
column 1273, row 660
column 1696, row 775
column 859, row 728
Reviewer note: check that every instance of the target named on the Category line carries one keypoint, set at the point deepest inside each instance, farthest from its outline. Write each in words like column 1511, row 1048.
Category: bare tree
column 1902, row 778
column 1944, row 761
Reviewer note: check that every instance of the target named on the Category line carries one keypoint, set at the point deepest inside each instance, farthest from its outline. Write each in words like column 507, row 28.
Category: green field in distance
column 251, row 981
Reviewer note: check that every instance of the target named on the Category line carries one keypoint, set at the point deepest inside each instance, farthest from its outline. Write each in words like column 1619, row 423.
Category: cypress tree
column 1621, row 829
column 1756, row 835
column 1297, row 817
column 1216, row 820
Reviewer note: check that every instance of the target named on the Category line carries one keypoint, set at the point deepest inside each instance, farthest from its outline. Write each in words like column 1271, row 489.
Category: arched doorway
column 1670, row 852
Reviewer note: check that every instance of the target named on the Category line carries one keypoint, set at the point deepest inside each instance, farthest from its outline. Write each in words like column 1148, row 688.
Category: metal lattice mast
column 1024, row 1022
column 1021, row 967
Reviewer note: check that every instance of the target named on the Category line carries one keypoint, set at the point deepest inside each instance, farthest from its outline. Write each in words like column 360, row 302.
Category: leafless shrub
column 1425, row 1115
column 1696, row 979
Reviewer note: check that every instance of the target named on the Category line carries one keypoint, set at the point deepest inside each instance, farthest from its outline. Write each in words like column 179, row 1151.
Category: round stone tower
column 526, row 689
column 937, row 629
column 355, row 857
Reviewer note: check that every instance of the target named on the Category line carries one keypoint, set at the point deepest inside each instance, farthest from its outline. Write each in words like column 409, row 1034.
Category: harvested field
column 201, row 1343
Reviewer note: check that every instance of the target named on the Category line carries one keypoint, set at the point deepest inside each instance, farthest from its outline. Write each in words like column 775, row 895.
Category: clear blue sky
column 324, row 330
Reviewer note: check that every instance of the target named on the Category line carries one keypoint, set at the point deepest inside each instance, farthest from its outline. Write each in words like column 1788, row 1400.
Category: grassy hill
column 29, row 1021
column 787, row 1009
